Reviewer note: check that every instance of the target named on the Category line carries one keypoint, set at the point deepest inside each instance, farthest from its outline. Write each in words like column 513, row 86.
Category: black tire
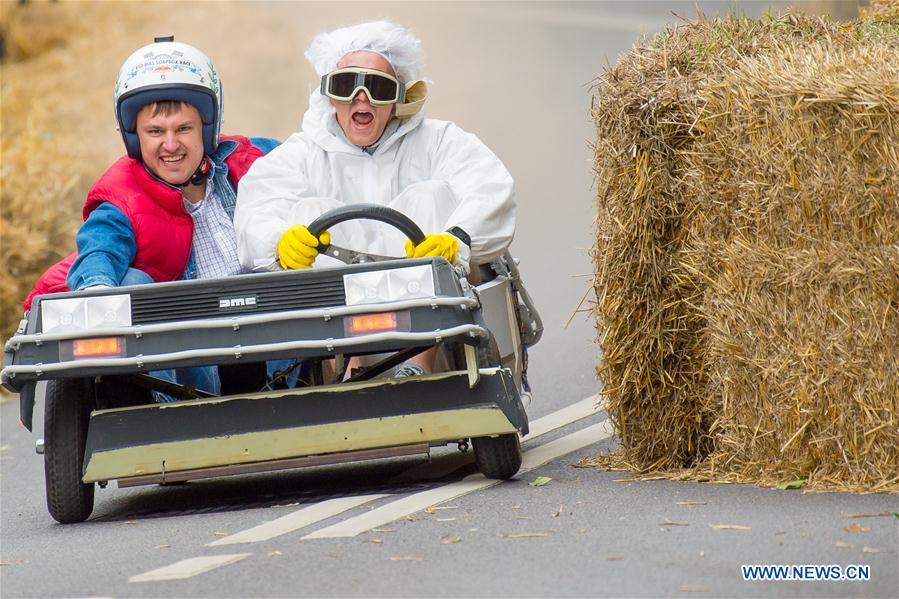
column 498, row 457
column 66, row 417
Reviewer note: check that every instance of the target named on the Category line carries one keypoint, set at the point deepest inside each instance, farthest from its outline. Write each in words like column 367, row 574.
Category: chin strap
column 199, row 175
column 195, row 179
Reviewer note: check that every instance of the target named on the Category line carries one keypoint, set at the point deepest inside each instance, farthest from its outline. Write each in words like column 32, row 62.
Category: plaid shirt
column 215, row 244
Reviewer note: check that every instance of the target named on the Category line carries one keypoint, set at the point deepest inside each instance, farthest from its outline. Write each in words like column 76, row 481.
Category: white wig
column 395, row 43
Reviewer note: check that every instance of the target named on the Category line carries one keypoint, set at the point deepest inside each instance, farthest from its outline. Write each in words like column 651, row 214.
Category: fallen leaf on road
column 614, row 558
column 855, row 528
column 445, row 519
column 793, row 484
column 521, row 517
column 130, row 521
column 841, row 544
column 274, row 553
column 684, row 588
column 730, row 527
column 517, row 506
column 384, row 529
column 540, row 481
column 219, row 533
column 434, row 508
column 4, row 447
column 692, row 502
column 667, row 522
column 165, row 546
column 559, row 513
column 404, row 558
column 451, row 540
column 877, row 515
column 523, row 535
column 286, row 505
column 375, row 541
column 870, row 550
column 14, row 562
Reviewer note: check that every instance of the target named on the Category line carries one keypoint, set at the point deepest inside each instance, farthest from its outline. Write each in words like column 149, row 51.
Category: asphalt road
column 519, row 76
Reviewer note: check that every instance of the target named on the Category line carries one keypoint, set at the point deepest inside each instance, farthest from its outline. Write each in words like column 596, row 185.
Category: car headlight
column 389, row 285
column 75, row 314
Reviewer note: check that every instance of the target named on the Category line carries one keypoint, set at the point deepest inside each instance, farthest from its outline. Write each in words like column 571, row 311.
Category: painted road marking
column 188, row 567
column 576, row 411
column 296, row 520
column 425, row 499
column 445, row 465
column 536, row 457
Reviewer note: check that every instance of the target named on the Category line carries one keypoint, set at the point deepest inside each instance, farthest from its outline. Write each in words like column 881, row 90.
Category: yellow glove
column 435, row 244
column 298, row 248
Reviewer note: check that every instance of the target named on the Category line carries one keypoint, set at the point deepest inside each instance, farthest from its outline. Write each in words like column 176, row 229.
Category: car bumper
column 267, row 431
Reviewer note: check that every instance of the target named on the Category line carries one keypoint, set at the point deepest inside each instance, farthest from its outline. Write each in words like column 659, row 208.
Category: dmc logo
column 230, row 303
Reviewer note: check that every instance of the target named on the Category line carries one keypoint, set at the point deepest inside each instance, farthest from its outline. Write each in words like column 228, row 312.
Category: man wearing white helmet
column 163, row 212
column 365, row 139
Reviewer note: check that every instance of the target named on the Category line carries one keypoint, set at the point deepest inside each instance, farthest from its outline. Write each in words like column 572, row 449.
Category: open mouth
column 363, row 118
column 173, row 159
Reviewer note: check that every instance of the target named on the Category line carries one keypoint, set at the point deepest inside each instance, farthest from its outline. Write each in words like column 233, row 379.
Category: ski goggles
column 380, row 87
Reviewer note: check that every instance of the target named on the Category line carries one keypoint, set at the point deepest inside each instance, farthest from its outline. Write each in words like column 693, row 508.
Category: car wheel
column 498, row 457
column 66, row 416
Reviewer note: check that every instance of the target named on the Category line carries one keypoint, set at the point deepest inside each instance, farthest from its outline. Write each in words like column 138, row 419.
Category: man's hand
column 436, row 244
column 298, row 248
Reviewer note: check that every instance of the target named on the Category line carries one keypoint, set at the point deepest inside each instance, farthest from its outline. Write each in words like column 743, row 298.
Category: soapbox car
column 97, row 351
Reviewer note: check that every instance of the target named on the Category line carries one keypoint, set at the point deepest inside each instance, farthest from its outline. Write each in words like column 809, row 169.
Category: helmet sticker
column 163, row 63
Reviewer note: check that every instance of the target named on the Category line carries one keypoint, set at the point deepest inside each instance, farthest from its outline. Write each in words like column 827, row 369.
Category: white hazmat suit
column 432, row 171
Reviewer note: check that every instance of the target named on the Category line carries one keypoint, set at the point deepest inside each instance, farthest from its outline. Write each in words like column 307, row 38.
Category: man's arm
column 106, row 248
column 265, row 144
column 486, row 213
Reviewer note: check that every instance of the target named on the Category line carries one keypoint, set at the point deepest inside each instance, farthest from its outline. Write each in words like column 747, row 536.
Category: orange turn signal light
column 100, row 347
column 372, row 323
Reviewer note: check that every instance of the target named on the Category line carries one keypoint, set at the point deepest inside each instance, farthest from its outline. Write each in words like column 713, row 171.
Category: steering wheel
column 400, row 221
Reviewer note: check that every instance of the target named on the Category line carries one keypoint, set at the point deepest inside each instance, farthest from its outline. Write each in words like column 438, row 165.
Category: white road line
column 296, row 520
column 576, row 411
column 536, row 457
column 424, row 499
column 447, row 464
column 188, row 567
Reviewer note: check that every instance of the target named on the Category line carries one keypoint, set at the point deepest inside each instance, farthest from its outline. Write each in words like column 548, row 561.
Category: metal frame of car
column 485, row 329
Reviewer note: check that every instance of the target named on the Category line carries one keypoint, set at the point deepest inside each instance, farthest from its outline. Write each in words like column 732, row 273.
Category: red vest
column 163, row 231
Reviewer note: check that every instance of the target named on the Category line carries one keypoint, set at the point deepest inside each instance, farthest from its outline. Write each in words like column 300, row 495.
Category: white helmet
column 168, row 70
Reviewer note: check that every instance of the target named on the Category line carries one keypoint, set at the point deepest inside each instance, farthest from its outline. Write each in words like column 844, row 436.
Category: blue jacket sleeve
column 106, row 248
column 266, row 144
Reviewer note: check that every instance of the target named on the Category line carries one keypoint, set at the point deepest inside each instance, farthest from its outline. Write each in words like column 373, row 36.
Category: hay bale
column 802, row 365
column 777, row 135
column 880, row 10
